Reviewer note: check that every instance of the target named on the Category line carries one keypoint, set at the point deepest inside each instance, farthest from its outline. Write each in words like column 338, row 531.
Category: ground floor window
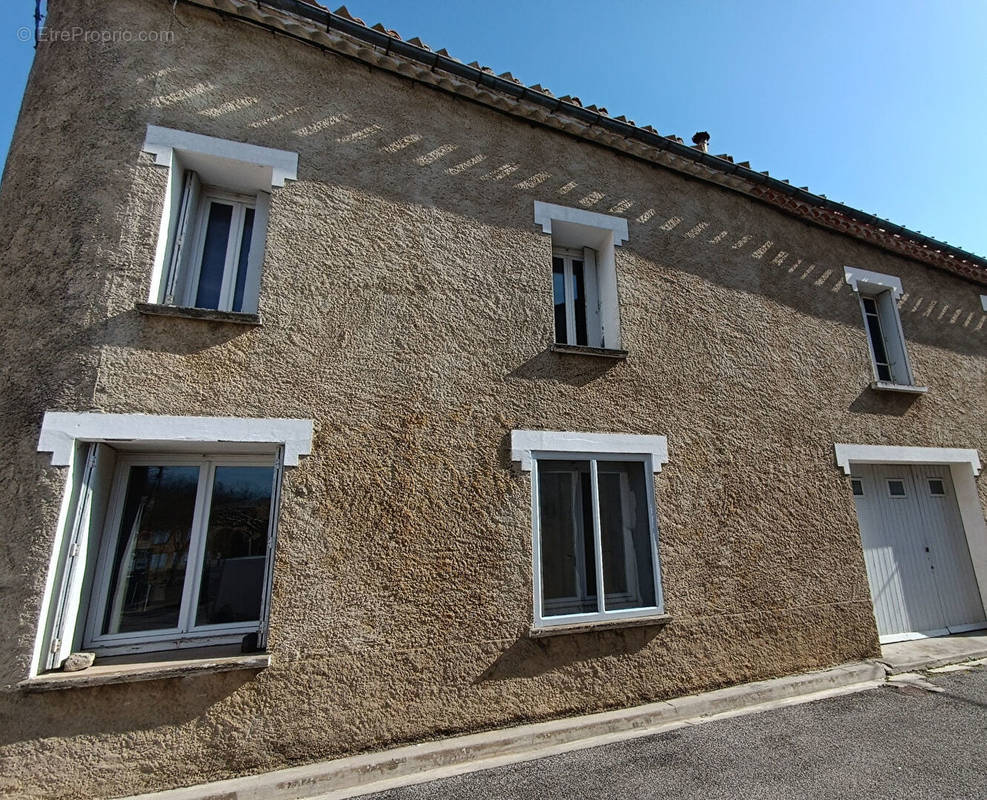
column 166, row 534
column 184, row 549
column 596, row 537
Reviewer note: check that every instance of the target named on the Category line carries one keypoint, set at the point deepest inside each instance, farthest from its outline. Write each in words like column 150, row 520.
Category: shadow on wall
column 168, row 334
column 117, row 708
column 529, row 658
column 573, row 370
column 456, row 171
column 886, row 403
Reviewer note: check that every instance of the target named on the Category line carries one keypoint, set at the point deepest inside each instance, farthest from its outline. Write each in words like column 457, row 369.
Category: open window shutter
column 66, row 600
column 272, row 540
column 184, row 231
column 255, row 261
column 594, row 330
column 894, row 342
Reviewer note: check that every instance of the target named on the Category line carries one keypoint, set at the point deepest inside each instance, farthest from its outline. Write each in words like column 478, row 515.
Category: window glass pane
column 625, row 527
column 896, row 488
column 241, row 266
column 876, row 339
column 566, row 538
column 218, row 225
column 937, row 487
column 857, row 485
column 558, row 293
column 236, row 546
column 147, row 575
column 579, row 301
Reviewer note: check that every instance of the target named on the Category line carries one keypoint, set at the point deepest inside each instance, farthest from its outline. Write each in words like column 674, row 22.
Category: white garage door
column 918, row 562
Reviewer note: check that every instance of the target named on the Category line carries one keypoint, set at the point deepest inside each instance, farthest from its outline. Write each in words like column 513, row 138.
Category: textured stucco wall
column 407, row 309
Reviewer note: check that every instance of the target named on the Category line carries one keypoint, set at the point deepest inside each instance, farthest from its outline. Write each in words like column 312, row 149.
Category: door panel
column 918, row 564
column 955, row 580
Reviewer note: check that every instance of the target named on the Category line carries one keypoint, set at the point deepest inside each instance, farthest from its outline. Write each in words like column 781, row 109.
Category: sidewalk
column 926, row 653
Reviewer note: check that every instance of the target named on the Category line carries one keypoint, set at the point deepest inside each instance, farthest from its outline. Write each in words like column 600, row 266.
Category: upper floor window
column 584, row 275
column 213, row 229
column 879, row 295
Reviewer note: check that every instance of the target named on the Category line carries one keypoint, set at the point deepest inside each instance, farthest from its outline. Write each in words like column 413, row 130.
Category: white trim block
column 162, row 142
column 545, row 213
column 855, row 276
column 60, row 430
column 524, row 443
column 884, row 454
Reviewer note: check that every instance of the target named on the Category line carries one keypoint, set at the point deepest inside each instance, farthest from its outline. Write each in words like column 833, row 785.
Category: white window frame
column 187, row 633
column 885, row 291
column 596, row 236
column 240, row 203
column 591, row 294
column 239, row 168
column 530, row 447
column 73, row 440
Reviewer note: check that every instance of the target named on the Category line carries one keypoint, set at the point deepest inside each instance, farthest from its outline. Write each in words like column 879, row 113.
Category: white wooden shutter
column 594, row 330
column 258, row 239
column 184, row 231
column 272, row 539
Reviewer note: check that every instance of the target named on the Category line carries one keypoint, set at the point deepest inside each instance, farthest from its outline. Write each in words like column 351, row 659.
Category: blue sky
column 880, row 104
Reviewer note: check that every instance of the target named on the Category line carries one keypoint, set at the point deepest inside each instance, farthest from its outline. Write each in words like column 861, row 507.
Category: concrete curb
column 402, row 766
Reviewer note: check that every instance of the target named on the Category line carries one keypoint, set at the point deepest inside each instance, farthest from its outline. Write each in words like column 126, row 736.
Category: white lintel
column 847, row 454
column 546, row 213
column 61, row 429
column 859, row 278
column 162, row 142
column 525, row 443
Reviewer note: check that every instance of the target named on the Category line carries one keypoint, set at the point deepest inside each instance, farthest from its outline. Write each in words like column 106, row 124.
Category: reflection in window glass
column 213, row 264
column 236, row 546
column 858, row 486
column 241, row 267
column 936, row 487
column 567, row 550
column 558, row 294
column 148, row 569
column 628, row 566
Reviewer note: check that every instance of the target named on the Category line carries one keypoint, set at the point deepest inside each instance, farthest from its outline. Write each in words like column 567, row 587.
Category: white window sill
column 582, row 350
column 653, row 620
column 885, row 386
column 132, row 669
column 207, row 314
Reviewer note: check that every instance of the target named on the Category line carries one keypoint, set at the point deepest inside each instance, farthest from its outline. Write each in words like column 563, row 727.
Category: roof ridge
column 937, row 253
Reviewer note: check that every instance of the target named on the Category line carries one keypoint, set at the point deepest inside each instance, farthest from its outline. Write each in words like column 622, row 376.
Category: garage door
column 918, row 563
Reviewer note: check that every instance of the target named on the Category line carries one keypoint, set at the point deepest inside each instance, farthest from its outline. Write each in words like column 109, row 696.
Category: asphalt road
column 901, row 742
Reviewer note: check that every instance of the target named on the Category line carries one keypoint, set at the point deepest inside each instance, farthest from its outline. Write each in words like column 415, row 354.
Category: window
column 878, row 295
column 858, row 486
column 896, row 488
column 937, row 488
column 167, row 533
column 214, row 226
column 577, row 310
column 595, row 536
column 184, row 552
column 584, row 276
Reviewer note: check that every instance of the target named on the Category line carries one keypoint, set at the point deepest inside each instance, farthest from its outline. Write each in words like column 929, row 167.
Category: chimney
column 701, row 141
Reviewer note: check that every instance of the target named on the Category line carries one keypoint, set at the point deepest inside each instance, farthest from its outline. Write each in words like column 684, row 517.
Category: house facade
column 355, row 396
